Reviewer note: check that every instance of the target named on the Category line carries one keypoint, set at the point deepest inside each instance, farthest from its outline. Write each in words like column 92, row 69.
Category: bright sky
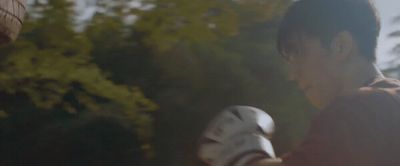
column 388, row 9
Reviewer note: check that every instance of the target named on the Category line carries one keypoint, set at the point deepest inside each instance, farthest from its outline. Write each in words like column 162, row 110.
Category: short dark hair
column 325, row 18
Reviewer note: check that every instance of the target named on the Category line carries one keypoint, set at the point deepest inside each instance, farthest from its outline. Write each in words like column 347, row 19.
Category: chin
column 317, row 102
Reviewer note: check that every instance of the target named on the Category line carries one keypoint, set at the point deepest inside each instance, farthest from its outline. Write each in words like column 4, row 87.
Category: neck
column 358, row 74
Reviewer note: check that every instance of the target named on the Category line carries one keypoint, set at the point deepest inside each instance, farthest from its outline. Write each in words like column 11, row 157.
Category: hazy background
column 134, row 82
column 388, row 9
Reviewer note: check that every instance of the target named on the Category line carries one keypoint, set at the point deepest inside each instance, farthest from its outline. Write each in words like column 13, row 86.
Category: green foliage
column 193, row 67
column 191, row 58
column 200, row 21
column 51, row 62
column 175, row 20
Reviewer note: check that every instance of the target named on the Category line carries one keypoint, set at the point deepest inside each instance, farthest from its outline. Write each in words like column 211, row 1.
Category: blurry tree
column 192, row 58
column 95, row 139
column 52, row 66
column 173, row 22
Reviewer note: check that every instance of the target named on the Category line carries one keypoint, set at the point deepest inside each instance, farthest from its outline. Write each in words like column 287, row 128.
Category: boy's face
column 313, row 66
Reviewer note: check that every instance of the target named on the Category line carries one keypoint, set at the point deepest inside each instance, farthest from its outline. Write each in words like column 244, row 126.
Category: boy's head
column 324, row 19
column 329, row 45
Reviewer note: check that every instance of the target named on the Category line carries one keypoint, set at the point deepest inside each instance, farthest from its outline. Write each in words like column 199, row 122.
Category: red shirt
column 362, row 129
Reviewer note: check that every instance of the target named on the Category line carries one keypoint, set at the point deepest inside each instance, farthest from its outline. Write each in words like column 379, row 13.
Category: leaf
column 396, row 49
column 394, row 34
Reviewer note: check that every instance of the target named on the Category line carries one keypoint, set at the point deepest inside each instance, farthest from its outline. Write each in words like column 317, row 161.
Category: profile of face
column 314, row 68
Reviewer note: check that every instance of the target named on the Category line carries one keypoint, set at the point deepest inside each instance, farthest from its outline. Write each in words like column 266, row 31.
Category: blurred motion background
column 134, row 82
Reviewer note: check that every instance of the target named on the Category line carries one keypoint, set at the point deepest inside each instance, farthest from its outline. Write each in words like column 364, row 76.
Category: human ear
column 342, row 45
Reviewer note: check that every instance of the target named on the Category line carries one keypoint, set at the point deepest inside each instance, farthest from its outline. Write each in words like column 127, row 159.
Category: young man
column 330, row 47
